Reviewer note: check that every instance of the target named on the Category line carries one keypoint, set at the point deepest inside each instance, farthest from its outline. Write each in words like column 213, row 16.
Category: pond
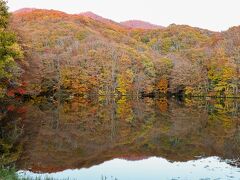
column 152, row 168
column 122, row 139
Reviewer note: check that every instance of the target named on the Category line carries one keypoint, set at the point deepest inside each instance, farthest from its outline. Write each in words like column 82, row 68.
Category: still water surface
column 148, row 169
column 123, row 139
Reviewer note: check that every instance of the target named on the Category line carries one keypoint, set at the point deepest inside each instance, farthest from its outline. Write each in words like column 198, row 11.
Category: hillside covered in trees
column 90, row 55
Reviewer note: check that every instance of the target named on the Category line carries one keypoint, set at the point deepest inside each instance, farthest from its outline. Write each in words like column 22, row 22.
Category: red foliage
column 22, row 110
column 11, row 93
column 11, row 108
column 21, row 91
column 24, row 84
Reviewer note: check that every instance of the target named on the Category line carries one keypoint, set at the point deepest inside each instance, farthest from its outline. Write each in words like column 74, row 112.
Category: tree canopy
column 85, row 56
column 10, row 51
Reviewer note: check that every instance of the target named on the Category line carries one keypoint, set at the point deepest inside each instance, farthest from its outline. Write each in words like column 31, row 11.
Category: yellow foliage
column 125, row 82
column 124, row 109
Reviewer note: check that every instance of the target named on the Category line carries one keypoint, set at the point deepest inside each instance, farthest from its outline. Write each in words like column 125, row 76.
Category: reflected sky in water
column 148, row 169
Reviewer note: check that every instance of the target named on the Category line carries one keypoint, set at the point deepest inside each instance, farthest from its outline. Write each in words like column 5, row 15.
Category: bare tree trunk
column 114, row 71
column 113, row 119
column 58, row 73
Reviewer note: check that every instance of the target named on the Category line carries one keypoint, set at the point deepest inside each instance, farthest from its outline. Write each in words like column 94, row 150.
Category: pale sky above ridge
column 216, row 15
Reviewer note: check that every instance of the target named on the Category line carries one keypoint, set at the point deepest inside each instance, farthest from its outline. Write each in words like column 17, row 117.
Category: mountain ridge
column 130, row 24
column 139, row 24
column 24, row 10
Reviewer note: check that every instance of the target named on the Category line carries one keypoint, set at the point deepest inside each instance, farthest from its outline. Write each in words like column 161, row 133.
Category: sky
column 216, row 15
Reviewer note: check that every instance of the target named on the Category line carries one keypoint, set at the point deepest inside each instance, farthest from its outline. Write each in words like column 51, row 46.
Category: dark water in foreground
column 122, row 139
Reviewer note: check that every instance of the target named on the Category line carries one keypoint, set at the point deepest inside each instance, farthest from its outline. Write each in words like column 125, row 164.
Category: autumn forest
column 79, row 90
column 57, row 53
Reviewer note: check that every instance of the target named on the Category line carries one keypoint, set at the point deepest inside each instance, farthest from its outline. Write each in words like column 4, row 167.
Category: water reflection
column 53, row 136
column 152, row 168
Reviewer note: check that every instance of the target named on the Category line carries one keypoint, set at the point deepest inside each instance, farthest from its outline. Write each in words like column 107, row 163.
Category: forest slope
column 83, row 55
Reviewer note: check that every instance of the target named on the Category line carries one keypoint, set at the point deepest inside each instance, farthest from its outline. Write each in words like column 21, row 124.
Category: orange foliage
column 162, row 85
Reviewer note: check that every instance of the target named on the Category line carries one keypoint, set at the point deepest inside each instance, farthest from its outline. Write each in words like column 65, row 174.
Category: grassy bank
column 11, row 174
column 8, row 174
